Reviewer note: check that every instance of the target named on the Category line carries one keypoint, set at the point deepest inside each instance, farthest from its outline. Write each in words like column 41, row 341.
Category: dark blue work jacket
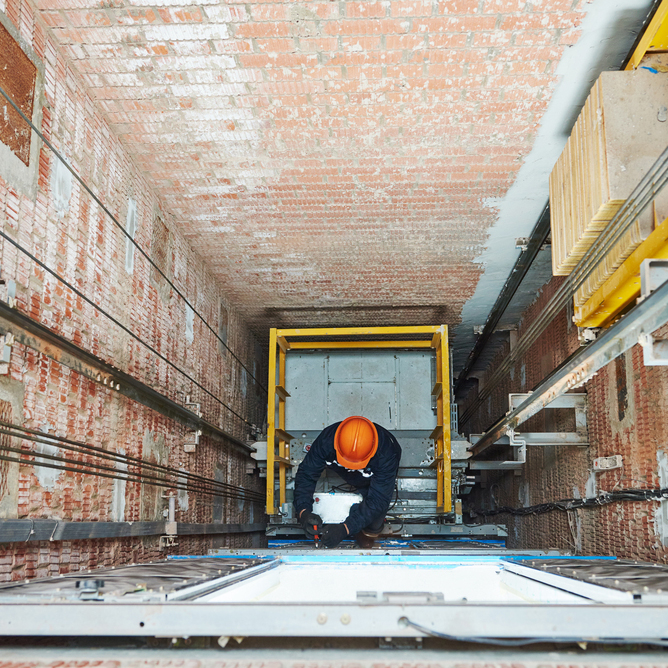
column 375, row 483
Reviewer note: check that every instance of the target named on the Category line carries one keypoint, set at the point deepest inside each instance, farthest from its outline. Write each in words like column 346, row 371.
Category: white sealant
column 609, row 30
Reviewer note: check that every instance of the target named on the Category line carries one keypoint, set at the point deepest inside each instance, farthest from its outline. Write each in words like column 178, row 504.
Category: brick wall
column 341, row 152
column 627, row 415
column 55, row 220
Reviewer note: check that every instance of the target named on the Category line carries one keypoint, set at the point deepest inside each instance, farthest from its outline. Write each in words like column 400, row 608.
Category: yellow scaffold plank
column 437, row 433
column 623, row 287
column 282, row 460
column 333, row 345
column 357, row 331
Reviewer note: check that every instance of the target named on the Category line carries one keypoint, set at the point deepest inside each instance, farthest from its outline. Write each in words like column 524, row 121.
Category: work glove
column 333, row 534
column 311, row 523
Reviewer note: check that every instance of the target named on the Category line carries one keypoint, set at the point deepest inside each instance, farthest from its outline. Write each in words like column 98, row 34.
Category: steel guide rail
column 644, row 318
column 524, row 262
column 642, row 196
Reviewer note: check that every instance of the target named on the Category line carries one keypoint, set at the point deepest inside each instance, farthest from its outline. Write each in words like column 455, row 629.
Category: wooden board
column 618, row 136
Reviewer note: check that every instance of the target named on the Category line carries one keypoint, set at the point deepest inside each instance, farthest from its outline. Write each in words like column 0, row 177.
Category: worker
column 367, row 457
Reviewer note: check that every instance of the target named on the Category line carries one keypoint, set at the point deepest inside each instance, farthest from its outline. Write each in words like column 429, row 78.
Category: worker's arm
column 378, row 498
column 310, row 469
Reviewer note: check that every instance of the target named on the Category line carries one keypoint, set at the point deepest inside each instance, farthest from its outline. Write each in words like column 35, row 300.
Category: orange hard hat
column 355, row 442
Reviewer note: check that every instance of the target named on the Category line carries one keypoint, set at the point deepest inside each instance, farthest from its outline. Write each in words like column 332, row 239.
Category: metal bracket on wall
column 192, row 440
column 578, row 402
column 653, row 274
column 514, row 464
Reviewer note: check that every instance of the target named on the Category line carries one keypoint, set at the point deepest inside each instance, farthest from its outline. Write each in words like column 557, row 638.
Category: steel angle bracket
column 515, row 464
column 578, row 402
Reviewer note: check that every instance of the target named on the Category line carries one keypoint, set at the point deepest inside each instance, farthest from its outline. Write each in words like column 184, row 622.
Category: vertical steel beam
column 441, row 435
column 445, row 409
column 271, row 422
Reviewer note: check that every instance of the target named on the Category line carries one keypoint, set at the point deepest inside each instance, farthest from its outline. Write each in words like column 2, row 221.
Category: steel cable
column 641, row 197
column 602, row 499
column 127, row 478
column 77, row 446
column 112, row 473
column 196, row 483
column 521, row 642
column 121, row 325
column 125, row 232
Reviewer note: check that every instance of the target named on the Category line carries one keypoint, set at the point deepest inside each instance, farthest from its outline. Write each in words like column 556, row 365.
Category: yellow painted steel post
column 283, row 446
column 654, row 37
column 438, row 442
column 445, row 405
column 622, row 288
column 271, row 422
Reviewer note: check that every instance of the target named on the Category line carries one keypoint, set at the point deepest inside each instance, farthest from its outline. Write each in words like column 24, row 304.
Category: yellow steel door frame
column 278, row 440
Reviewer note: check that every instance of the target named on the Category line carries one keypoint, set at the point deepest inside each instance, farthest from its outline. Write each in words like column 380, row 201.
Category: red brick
column 269, row 12
column 261, row 30
column 365, row 10
column 365, row 27
column 454, row 24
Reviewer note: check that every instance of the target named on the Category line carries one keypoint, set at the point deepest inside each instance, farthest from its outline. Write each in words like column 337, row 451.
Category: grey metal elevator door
column 392, row 388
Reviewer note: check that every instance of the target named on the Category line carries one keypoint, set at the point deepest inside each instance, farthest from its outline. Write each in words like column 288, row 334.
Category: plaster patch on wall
column 61, row 187
column 190, row 324
column 131, row 229
column 609, row 30
column 182, row 496
column 218, row 501
column 661, row 513
column 47, row 477
column 118, row 493
column 12, row 395
column 153, row 450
